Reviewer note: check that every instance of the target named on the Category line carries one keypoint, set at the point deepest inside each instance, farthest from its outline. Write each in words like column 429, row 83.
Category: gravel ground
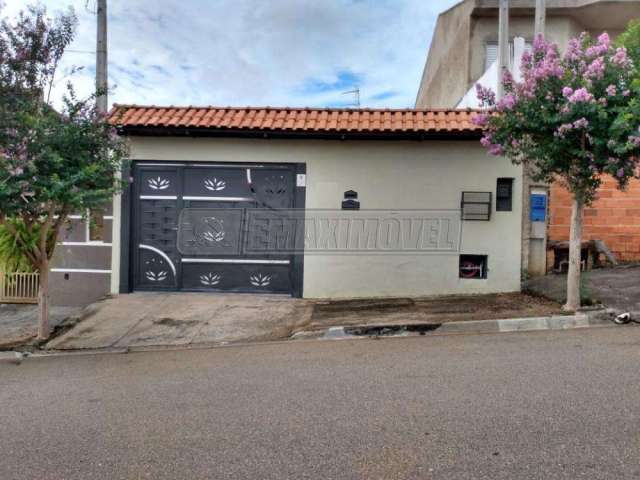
column 617, row 288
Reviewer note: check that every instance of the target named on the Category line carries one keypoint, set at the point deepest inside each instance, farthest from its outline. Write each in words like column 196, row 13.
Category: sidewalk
column 144, row 320
column 18, row 322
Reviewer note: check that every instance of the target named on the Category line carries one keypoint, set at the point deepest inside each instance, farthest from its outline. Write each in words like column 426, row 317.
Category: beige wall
column 387, row 175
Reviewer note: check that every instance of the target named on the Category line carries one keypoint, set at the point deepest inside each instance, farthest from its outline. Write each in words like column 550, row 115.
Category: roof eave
column 153, row 131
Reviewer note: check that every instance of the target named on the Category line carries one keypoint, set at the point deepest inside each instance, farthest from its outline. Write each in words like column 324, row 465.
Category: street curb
column 598, row 318
column 554, row 322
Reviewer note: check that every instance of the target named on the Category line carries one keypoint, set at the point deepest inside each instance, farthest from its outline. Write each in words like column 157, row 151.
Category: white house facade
column 357, row 203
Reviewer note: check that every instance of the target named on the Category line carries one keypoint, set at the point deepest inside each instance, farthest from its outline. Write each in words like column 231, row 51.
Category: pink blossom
column 507, row 102
column 620, row 173
column 507, row 79
column 496, row 150
column 604, row 40
column 581, row 123
column 581, row 95
column 562, row 130
column 480, row 119
column 620, row 58
column 485, row 95
column 596, row 69
column 612, row 90
column 567, row 91
column 602, row 47
column 539, row 44
column 574, row 50
column 635, row 140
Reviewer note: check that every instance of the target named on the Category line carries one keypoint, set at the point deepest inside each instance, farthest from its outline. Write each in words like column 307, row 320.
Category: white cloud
column 256, row 52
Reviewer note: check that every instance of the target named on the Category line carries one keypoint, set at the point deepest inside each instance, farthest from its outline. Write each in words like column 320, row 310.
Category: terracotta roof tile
column 310, row 120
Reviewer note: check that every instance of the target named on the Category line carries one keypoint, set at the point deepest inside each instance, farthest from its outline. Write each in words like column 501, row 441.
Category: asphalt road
column 543, row 405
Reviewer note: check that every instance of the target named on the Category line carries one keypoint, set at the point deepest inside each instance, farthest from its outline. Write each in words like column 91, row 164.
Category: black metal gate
column 190, row 223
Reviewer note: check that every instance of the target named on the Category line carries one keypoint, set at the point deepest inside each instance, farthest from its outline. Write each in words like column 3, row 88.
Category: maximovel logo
column 286, row 232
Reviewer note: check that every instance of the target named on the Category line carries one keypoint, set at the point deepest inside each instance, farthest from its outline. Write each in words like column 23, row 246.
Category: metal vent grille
column 476, row 206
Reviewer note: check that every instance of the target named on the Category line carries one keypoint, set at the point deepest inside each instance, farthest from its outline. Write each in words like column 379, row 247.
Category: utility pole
column 504, row 54
column 102, row 102
column 541, row 15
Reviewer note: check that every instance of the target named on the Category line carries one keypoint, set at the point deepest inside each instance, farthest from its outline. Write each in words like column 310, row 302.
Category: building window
column 473, row 267
column 504, row 195
column 476, row 206
column 491, row 52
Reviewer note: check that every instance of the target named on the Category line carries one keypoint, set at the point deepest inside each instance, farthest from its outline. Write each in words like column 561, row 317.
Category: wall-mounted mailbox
column 350, row 201
column 538, row 207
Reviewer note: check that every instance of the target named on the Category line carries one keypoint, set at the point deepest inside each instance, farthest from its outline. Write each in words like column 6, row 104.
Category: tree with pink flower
column 573, row 119
column 53, row 161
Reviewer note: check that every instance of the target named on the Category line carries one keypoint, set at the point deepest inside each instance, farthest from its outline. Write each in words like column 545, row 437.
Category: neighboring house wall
column 484, row 30
column 445, row 78
column 386, row 175
column 614, row 218
column 456, row 58
column 81, row 267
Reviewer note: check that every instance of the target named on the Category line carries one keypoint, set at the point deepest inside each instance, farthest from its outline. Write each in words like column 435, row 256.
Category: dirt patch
column 617, row 288
column 431, row 310
column 172, row 322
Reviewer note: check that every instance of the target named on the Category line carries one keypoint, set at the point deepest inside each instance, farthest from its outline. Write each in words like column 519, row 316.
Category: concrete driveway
column 179, row 319
column 151, row 319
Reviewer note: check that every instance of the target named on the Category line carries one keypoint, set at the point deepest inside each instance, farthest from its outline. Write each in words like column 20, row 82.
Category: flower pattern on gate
column 213, row 236
column 156, row 276
column 260, row 280
column 210, row 279
column 158, row 183
column 215, row 185
column 215, row 232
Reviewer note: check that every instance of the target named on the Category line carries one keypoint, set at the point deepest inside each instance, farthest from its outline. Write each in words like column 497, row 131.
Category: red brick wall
column 614, row 217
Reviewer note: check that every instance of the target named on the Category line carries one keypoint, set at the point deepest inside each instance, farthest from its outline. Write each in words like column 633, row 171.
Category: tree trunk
column 575, row 255
column 43, row 301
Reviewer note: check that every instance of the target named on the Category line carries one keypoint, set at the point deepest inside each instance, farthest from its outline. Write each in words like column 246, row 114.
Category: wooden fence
column 19, row 287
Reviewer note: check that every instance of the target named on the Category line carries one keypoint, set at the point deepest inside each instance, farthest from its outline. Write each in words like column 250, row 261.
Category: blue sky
column 255, row 52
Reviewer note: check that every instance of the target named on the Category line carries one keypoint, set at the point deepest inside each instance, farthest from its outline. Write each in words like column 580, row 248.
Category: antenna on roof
column 356, row 97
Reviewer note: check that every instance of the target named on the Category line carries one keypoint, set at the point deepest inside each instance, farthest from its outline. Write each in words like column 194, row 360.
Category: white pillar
column 541, row 15
column 503, row 44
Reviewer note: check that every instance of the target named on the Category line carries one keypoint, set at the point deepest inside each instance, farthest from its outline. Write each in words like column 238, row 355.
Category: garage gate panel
column 190, row 225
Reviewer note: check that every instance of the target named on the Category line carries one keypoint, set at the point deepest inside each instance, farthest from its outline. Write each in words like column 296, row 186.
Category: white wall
column 386, row 175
